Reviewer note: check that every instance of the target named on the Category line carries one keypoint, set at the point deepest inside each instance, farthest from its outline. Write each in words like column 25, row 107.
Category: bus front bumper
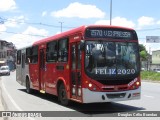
column 99, row 97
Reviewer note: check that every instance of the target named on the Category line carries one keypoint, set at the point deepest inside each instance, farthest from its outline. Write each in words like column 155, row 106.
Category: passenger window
column 28, row 55
column 51, row 52
column 63, row 50
column 19, row 57
column 34, row 57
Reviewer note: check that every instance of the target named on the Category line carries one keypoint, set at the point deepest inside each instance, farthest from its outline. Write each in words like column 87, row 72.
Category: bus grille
column 112, row 96
column 115, row 82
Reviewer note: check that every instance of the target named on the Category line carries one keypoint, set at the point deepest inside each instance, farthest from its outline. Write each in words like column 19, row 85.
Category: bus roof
column 80, row 29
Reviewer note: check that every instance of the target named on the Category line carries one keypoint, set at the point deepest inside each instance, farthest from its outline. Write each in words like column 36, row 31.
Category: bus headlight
column 90, row 85
column 137, row 83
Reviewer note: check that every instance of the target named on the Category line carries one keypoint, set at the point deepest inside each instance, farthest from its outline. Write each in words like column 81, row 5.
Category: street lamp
column 61, row 25
column 110, row 12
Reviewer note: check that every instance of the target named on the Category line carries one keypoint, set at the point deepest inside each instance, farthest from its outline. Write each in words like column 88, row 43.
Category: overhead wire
column 33, row 23
column 3, row 20
column 24, row 34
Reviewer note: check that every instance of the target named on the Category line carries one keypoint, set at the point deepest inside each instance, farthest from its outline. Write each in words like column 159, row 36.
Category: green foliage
column 143, row 55
column 143, row 52
column 142, row 47
column 149, row 75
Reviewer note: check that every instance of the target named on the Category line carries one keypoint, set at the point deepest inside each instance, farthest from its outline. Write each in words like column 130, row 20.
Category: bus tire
column 28, row 88
column 62, row 95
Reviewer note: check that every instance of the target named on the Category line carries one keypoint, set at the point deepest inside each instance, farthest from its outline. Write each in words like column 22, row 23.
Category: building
column 7, row 54
column 155, row 59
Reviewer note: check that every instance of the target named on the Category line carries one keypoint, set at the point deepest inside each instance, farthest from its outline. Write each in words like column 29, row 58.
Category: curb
column 152, row 81
column 7, row 104
column 1, row 99
column 2, row 102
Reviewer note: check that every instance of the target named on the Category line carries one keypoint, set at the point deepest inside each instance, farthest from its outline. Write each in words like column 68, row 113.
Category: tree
column 143, row 52
column 142, row 47
column 143, row 55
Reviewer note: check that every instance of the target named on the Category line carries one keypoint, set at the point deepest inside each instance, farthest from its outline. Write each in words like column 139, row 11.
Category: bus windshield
column 111, row 59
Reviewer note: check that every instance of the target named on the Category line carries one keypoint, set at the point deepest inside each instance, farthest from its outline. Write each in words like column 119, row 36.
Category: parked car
column 157, row 70
column 143, row 69
column 4, row 70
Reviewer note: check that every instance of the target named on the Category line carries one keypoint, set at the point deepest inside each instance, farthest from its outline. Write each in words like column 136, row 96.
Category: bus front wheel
column 62, row 95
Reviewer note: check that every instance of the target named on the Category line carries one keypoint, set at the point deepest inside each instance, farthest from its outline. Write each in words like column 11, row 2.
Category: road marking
column 13, row 102
column 148, row 96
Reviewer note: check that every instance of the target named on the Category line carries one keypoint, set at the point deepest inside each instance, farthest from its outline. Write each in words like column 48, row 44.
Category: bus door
column 19, row 67
column 76, row 71
column 42, row 71
column 23, row 71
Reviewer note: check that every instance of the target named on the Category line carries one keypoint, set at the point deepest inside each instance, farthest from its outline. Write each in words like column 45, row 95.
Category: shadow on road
column 92, row 108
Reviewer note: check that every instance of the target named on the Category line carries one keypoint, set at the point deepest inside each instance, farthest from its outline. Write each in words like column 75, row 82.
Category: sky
column 23, row 22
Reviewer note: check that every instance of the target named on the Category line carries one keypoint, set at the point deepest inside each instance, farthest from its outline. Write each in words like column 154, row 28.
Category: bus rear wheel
column 62, row 95
column 28, row 88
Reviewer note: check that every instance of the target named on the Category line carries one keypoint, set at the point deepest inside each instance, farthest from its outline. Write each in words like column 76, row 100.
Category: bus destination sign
column 108, row 33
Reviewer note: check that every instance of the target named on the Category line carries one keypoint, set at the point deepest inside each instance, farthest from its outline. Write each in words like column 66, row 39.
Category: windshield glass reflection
column 111, row 58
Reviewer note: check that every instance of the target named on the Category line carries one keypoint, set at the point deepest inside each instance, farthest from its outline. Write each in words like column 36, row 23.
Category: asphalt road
column 16, row 99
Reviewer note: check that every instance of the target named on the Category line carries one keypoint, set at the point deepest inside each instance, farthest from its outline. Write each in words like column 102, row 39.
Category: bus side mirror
column 82, row 45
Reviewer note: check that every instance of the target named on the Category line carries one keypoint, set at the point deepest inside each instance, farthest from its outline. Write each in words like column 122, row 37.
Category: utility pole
column 149, row 59
column 61, row 25
column 110, row 12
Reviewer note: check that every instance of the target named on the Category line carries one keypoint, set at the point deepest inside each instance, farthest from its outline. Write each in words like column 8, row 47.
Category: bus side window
column 63, row 50
column 34, row 57
column 51, row 52
column 19, row 57
column 28, row 55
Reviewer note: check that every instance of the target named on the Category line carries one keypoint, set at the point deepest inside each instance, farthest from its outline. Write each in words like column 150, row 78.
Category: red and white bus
column 88, row 64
